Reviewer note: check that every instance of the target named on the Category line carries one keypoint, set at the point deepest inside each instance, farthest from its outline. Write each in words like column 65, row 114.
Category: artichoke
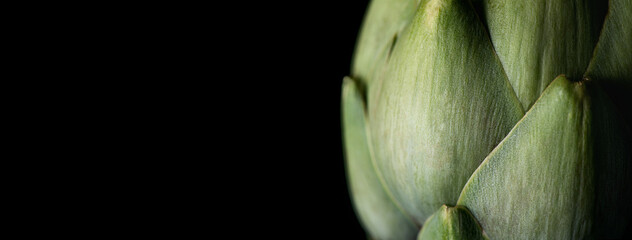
column 491, row 119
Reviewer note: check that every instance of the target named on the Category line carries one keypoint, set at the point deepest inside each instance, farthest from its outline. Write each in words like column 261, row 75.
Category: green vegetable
column 517, row 113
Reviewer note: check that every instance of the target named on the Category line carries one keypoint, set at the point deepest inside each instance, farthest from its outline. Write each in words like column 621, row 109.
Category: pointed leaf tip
column 427, row 100
column 538, row 182
column 451, row 223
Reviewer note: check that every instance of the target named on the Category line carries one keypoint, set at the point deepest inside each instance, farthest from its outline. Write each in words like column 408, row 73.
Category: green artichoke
column 491, row 119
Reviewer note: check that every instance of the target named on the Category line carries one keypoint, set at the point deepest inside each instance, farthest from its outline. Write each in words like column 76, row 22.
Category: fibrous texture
column 515, row 112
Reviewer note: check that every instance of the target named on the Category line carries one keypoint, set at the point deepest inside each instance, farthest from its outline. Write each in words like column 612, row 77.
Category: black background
column 332, row 50
column 331, row 41
column 308, row 53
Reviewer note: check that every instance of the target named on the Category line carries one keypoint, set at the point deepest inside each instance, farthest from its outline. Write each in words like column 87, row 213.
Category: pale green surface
column 384, row 20
column 443, row 105
column 538, row 183
column 377, row 213
column 439, row 100
column 451, row 223
column 537, row 40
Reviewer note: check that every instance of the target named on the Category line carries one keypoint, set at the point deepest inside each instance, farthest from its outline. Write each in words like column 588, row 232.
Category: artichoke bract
column 491, row 119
